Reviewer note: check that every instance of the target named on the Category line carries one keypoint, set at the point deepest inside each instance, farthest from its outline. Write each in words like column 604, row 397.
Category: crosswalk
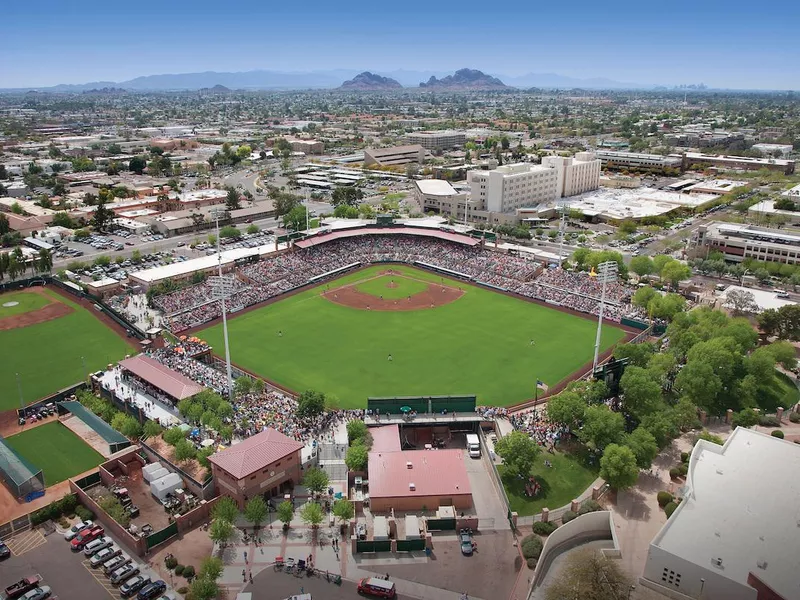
column 101, row 578
column 25, row 542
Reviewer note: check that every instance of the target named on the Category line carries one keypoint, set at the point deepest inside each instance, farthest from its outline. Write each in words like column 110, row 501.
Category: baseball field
column 393, row 330
column 57, row 451
column 47, row 340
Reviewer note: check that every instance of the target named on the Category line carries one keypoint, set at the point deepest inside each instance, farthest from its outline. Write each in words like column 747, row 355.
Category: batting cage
column 22, row 478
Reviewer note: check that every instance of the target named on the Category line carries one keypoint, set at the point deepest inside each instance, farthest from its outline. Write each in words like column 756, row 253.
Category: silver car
column 124, row 572
column 76, row 529
column 95, row 546
column 104, row 555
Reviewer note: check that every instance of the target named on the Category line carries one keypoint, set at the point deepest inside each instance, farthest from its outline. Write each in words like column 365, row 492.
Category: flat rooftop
column 764, row 298
column 432, row 473
column 741, row 506
column 636, row 203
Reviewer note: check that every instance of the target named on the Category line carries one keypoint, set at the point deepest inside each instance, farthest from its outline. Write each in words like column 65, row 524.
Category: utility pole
column 19, row 389
column 222, row 287
column 607, row 272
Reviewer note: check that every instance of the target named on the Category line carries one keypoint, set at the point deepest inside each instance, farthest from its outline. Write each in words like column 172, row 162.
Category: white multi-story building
column 575, row 175
column 734, row 534
column 507, row 188
column 438, row 140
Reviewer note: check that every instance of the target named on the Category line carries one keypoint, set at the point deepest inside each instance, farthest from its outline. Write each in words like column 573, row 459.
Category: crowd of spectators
column 279, row 273
column 180, row 358
column 534, row 422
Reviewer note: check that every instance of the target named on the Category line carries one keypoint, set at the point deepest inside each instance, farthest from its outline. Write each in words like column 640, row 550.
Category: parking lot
column 271, row 584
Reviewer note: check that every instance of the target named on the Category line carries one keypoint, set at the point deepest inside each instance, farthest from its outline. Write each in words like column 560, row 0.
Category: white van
column 473, row 445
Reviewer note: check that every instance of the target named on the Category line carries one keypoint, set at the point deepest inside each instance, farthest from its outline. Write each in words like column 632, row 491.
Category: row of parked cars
column 29, row 588
column 117, row 565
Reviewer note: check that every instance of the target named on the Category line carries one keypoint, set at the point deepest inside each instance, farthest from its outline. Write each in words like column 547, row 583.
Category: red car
column 86, row 536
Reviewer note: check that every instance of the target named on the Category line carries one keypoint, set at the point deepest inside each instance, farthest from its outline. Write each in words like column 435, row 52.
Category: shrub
column 532, row 546
column 183, row 590
column 670, row 508
column 84, row 513
column 179, row 569
column 664, row 498
column 673, row 473
column 532, row 563
column 63, row 523
column 588, row 506
column 543, row 528
column 568, row 516
column 794, row 417
column 769, row 421
column 188, row 571
column 777, row 433
column 171, row 562
column 683, row 469
column 684, row 457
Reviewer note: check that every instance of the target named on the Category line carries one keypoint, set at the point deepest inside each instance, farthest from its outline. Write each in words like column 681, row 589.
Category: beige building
column 738, row 242
column 307, row 146
column 438, row 140
column 507, row 188
column 577, row 174
column 440, row 197
column 396, row 155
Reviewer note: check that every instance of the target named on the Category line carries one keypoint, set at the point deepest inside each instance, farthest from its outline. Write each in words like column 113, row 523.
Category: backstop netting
column 116, row 441
column 22, row 478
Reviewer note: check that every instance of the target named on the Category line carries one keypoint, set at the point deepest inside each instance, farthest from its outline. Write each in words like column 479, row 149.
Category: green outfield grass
column 380, row 287
column 48, row 356
column 54, row 449
column 479, row 344
column 28, row 301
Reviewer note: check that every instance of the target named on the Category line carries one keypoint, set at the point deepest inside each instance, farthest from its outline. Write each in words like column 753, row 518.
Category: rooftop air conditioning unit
column 409, row 465
column 412, row 487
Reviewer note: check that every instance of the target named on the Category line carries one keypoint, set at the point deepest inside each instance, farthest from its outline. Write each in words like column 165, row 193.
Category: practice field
column 20, row 302
column 445, row 337
column 50, row 355
column 54, row 449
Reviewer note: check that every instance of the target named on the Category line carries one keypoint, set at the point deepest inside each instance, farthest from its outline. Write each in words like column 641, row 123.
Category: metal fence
column 154, row 539
column 410, row 545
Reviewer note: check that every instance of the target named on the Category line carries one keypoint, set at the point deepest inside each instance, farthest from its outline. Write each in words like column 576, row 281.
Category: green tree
column 638, row 355
column 253, row 228
column 312, row 514
column 4, row 225
column 233, row 199
column 60, row 219
column 783, row 353
column 344, row 510
column 255, row 511
column 580, row 256
column 769, row 321
column 346, row 195
column 184, row 450
column 229, row 231
column 137, row 164
column 357, row 458
column 225, row 509
column 662, row 425
column 242, row 386
column 356, row 430
column 310, row 404
column 642, row 265
column 566, row 409
column 285, row 512
column 641, row 393
column 674, row 272
column 102, row 216
column 643, row 445
column 685, row 413
column 131, row 428
column 211, row 568
column 173, row 435
column 601, row 427
column 151, row 429
column 643, row 296
column 295, row 219
column 618, row 467
column 666, row 306
column 316, row 480
column 519, row 453
column 588, row 574
column 221, row 532
column 745, row 418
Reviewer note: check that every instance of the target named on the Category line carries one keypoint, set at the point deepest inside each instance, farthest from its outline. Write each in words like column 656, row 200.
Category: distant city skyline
column 65, row 42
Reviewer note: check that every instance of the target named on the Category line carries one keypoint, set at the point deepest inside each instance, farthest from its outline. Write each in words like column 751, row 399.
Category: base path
column 54, row 310
column 436, row 294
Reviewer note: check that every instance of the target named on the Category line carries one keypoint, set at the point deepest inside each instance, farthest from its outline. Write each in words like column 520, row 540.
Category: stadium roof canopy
column 21, row 476
column 115, row 439
column 420, row 232
column 170, row 382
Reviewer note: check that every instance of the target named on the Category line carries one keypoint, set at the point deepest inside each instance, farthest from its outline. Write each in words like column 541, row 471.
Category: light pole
column 562, row 227
column 19, row 389
column 222, row 286
column 607, row 272
column 741, row 279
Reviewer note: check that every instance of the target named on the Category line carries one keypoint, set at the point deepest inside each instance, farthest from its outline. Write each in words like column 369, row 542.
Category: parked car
column 133, row 585
column 84, row 537
column 467, row 545
column 374, row 586
column 18, row 588
column 39, row 593
column 95, row 546
column 153, row 591
column 5, row 551
column 104, row 555
column 76, row 529
column 122, row 573
column 115, row 563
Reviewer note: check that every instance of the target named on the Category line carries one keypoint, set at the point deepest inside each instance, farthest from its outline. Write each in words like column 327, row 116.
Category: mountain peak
column 465, row 79
column 370, row 81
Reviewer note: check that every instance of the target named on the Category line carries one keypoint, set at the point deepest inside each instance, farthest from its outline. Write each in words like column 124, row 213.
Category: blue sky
column 49, row 42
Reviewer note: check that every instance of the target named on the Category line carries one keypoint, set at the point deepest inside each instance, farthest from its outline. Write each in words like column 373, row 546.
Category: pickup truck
column 15, row 590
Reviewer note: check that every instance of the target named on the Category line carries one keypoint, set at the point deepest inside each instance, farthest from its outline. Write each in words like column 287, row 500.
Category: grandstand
column 23, row 479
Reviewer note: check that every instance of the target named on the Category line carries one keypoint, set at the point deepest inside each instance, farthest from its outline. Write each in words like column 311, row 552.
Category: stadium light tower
column 606, row 273
column 222, row 287
column 562, row 230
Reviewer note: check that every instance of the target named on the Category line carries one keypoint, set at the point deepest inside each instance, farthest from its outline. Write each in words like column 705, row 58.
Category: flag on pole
column 592, row 273
column 541, row 385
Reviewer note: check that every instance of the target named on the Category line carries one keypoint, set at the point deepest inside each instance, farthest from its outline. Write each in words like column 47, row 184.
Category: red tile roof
column 433, row 473
column 386, row 438
column 255, row 453
column 153, row 372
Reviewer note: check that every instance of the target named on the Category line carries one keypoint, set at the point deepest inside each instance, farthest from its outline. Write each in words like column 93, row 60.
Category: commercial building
column 577, row 174
column 738, row 242
column 438, row 140
column 440, row 197
column 690, row 159
column 615, row 205
column 507, row 188
column 396, row 155
column 634, row 160
column 266, row 464
column 774, row 149
column 307, row 146
column 734, row 534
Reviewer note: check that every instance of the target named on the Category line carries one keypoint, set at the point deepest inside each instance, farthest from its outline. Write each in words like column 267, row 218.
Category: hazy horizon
column 49, row 43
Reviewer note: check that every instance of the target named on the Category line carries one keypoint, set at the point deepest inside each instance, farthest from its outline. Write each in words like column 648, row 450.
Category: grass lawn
column 782, row 391
column 380, row 287
column 567, row 479
column 27, row 302
column 479, row 344
column 54, row 449
column 47, row 356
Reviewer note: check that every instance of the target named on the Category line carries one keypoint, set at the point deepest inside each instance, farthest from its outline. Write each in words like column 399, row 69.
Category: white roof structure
column 740, row 512
column 764, row 298
column 436, row 187
column 618, row 204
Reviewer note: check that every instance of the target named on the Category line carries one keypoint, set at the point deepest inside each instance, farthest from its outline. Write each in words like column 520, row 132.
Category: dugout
column 22, row 478
column 422, row 404
column 115, row 440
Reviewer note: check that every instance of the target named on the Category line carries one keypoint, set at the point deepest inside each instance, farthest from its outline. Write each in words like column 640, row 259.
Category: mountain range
column 465, row 79
column 367, row 81
column 280, row 80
